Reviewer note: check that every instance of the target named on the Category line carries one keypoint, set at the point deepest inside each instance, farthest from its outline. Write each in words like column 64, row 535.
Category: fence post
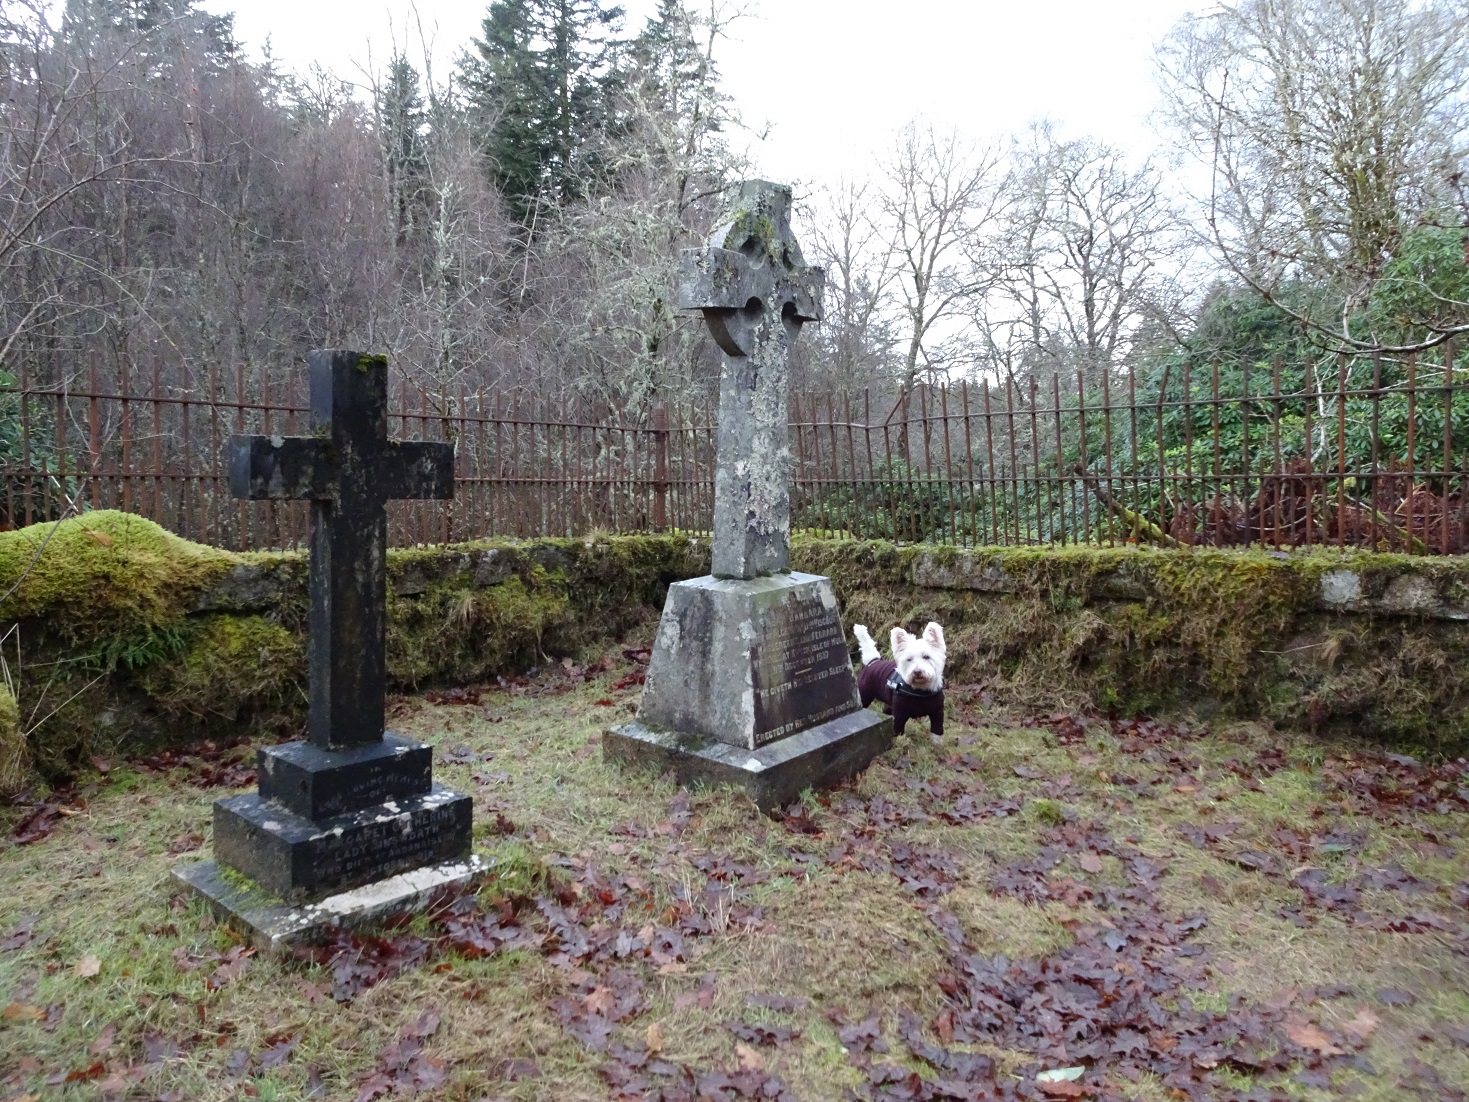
column 660, row 467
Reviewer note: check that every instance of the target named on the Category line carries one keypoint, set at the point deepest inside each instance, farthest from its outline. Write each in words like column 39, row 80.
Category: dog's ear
column 899, row 639
column 935, row 635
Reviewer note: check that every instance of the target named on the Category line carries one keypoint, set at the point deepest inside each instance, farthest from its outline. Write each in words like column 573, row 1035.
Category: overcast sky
column 833, row 78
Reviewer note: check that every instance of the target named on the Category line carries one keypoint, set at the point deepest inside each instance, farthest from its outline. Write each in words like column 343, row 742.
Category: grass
column 849, row 941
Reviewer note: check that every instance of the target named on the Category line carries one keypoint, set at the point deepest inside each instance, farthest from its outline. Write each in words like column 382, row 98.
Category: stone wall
column 1348, row 642
column 144, row 638
column 137, row 638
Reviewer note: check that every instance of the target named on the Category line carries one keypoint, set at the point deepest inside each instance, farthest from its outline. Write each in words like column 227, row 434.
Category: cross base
column 274, row 925
column 302, row 860
column 319, row 783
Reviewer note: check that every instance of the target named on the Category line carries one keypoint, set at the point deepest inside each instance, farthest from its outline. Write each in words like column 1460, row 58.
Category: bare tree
column 64, row 134
column 852, row 348
column 937, row 195
column 1329, row 128
column 1091, row 251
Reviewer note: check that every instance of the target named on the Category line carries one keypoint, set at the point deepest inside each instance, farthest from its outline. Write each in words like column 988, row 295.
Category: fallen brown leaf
column 103, row 1041
column 1063, row 1089
column 1363, row 1024
column 749, row 1058
column 89, row 965
column 1310, row 1035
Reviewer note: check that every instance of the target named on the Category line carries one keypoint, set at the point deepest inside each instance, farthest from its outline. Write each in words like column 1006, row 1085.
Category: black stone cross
column 348, row 469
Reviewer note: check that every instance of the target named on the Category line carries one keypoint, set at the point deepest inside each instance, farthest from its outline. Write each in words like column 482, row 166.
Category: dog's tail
column 865, row 644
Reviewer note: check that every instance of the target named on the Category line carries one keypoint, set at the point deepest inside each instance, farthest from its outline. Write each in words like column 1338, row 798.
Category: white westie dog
column 911, row 683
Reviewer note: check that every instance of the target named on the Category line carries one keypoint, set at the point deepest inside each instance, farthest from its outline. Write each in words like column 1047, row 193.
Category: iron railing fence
column 1368, row 451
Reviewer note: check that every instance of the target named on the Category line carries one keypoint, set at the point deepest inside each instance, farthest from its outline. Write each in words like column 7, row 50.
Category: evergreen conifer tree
column 402, row 122
column 539, row 79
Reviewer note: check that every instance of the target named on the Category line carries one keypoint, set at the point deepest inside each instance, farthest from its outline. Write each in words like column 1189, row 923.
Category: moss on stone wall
column 103, row 577
column 14, row 760
column 1239, row 633
column 132, row 638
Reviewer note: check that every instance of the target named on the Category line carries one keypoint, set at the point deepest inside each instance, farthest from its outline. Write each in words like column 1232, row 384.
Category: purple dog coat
column 879, row 680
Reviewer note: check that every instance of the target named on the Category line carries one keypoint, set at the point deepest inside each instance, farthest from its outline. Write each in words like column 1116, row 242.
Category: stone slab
column 318, row 783
column 274, row 925
column 773, row 775
column 304, row 860
column 748, row 661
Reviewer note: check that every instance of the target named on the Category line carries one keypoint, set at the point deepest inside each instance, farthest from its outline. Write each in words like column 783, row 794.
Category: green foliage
column 899, row 502
column 146, row 647
column 540, row 79
column 9, row 420
column 1423, row 288
column 1250, row 395
column 1236, row 326
column 102, row 577
column 231, row 668
column 13, row 756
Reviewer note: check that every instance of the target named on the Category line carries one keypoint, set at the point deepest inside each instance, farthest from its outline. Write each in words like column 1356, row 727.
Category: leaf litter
column 1131, row 996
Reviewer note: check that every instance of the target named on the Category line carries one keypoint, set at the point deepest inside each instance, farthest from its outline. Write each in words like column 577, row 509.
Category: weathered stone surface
column 321, row 783
column 353, row 806
column 755, row 292
column 748, row 662
column 750, row 682
column 773, row 775
column 494, row 567
column 302, row 860
column 960, row 572
column 1341, row 588
column 249, row 587
column 1410, row 593
column 412, row 583
column 274, row 925
column 348, row 470
column 1406, row 594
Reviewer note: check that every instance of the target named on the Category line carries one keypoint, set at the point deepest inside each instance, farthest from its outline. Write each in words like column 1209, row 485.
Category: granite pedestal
column 750, row 684
column 319, row 826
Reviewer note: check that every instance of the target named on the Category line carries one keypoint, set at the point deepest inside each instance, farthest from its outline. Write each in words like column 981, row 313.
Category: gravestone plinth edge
column 750, row 683
column 319, row 783
column 303, row 860
column 773, row 776
column 273, row 925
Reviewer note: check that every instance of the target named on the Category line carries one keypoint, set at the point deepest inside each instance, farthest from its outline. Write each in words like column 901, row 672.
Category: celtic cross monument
column 750, row 680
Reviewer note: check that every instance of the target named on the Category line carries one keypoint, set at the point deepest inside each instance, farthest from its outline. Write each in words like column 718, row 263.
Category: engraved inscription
column 378, row 846
column 385, row 782
column 802, row 673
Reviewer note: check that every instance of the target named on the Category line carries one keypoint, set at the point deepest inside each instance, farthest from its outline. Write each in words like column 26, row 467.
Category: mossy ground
column 846, row 940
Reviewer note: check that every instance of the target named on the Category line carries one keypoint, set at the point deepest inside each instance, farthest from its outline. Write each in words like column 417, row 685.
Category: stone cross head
column 751, row 269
